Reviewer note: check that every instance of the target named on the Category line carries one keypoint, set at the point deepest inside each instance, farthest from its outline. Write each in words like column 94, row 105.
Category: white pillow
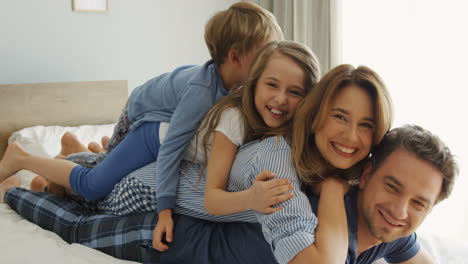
column 44, row 141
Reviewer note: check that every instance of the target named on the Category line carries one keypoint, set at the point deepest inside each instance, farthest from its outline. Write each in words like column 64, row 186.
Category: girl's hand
column 265, row 193
column 165, row 226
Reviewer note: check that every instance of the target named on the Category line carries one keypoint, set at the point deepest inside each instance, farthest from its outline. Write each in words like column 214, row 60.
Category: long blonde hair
column 243, row 98
column 312, row 113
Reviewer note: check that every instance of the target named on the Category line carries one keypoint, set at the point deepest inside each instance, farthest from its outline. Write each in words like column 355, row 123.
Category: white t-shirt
column 230, row 124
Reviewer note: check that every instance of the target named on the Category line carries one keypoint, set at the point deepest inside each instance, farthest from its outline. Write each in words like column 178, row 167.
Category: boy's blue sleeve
column 194, row 104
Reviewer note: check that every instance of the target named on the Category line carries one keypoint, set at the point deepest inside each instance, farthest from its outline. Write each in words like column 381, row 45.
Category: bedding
column 24, row 242
column 44, row 141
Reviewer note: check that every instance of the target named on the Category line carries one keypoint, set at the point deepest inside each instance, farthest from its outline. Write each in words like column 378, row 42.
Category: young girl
column 182, row 97
column 280, row 77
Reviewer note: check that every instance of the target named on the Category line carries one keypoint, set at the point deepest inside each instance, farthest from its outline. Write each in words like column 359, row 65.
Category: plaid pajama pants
column 130, row 237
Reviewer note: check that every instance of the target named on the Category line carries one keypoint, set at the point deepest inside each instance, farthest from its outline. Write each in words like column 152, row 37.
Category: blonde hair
column 243, row 99
column 313, row 112
column 242, row 26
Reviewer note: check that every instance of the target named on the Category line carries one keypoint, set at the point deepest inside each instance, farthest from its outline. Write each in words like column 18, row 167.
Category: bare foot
column 7, row 184
column 95, row 147
column 104, row 142
column 10, row 162
column 71, row 144
column 39, row 184
column 56, row 189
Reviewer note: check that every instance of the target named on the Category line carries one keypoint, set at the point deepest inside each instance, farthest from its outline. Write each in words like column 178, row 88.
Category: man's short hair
column 424, row 145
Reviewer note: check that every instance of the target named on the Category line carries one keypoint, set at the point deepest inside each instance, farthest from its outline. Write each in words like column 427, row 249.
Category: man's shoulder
column 399, row 250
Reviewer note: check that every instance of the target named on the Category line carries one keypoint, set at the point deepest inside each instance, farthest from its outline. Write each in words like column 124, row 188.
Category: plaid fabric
column 129, row 196
column 86, row 159
column 120, row 130
column 128, row 238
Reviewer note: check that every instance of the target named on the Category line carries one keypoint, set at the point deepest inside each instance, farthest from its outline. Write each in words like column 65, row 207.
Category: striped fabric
column 291, row 229
column 136, row 193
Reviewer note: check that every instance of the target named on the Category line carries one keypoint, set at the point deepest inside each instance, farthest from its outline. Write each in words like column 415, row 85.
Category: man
column 410, row 171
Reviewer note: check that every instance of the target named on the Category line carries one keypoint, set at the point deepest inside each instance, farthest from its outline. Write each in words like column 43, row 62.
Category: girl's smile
column 279, row 90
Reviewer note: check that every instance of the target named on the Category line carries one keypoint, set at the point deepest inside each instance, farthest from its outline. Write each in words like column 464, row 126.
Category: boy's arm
column 183, row 124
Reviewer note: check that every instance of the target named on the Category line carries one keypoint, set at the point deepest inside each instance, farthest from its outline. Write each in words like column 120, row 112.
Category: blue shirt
column 397, row 251
column 182, row 98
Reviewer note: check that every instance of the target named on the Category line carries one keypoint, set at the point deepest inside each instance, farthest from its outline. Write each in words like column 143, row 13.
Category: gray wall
column 44, row 41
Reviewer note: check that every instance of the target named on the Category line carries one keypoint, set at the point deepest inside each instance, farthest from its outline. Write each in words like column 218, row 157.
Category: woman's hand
column 265, row 193
column 165, row 226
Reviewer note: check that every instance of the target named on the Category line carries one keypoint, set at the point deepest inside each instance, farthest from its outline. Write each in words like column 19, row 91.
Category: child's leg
column 69, row 145
column 16, row 159
column 137, row 149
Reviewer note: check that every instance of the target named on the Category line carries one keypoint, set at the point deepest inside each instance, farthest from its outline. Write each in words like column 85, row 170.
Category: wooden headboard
column 64, row 103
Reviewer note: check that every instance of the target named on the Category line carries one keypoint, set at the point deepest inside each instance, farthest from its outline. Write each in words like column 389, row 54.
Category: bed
column 37, row 115
column 46, row 110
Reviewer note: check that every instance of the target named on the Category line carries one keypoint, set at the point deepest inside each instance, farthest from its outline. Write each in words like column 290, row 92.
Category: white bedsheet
column 24, row 242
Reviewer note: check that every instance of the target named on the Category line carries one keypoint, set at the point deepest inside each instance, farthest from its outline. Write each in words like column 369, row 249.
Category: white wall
column 419, row 47
column 44, row 41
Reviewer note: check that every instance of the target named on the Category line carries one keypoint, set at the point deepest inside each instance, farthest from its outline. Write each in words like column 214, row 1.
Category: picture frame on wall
column 90, row 5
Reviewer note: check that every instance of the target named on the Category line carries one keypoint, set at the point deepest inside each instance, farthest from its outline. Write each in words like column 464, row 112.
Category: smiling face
column 279, row 90
column 396, row 198
column 346, row 135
